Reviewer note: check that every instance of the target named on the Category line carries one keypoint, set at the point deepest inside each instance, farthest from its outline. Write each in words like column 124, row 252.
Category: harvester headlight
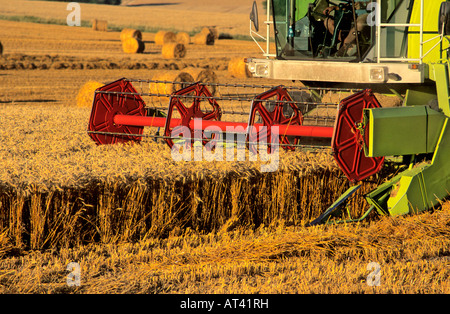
column 262, row 70
column 377, row 74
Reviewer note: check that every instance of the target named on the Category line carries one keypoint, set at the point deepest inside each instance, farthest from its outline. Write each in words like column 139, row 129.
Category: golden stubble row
column 323, row 259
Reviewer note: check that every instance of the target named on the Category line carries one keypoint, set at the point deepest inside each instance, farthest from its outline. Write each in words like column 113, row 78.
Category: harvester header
column 332, row 48
column 119, row 114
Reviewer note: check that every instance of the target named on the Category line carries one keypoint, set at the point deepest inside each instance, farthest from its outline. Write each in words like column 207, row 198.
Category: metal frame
column 422, row 55
column 268, row 23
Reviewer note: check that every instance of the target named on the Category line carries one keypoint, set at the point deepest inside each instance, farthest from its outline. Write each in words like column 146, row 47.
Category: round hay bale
column 211, row 30
column 130, row 33
column 100, row 25
column 203, row 38
column 86, row 93
column 1, row 49
column 238, row 68
column 133, row 45
column 180, row 80
column 183, row 38
column 173, row 51
column 204, row 76
column 163, row 37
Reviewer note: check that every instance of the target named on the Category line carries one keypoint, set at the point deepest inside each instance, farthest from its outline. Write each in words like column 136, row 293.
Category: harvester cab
column 390, row 46
column 385, row 42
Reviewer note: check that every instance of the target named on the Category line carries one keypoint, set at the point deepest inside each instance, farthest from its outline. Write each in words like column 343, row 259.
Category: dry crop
column 183, row 38
column 130, row 33
column 281, row 259
column 173, row 51
column 211, row 30
column 174, row 80
column 237, row 68
column 203, row 75
column 133, row 45
column 203, row 38
column 85, row 95
column 100, row 25
column 165, row 37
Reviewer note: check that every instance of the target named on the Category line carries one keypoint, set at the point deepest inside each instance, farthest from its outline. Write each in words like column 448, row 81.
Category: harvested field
column 136, row 220
column 331, row 259
column 230, row 17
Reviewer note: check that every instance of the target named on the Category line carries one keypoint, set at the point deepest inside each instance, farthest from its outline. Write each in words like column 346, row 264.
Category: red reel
column 107, row 105
column 283, row 112
column 348, row 137
column 187, row 114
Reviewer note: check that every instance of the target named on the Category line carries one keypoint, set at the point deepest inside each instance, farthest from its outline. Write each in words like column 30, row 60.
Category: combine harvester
column 385, row 46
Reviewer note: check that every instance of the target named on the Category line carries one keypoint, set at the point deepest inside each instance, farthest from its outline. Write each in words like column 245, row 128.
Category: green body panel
column 419, row 188
column 435, row 122
column 440, row 74
column 380, row 196
column 419, row 95
column 301, row 8
column 430, row 28
column 408, row 195
column 336, row 208
column 405, row 130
